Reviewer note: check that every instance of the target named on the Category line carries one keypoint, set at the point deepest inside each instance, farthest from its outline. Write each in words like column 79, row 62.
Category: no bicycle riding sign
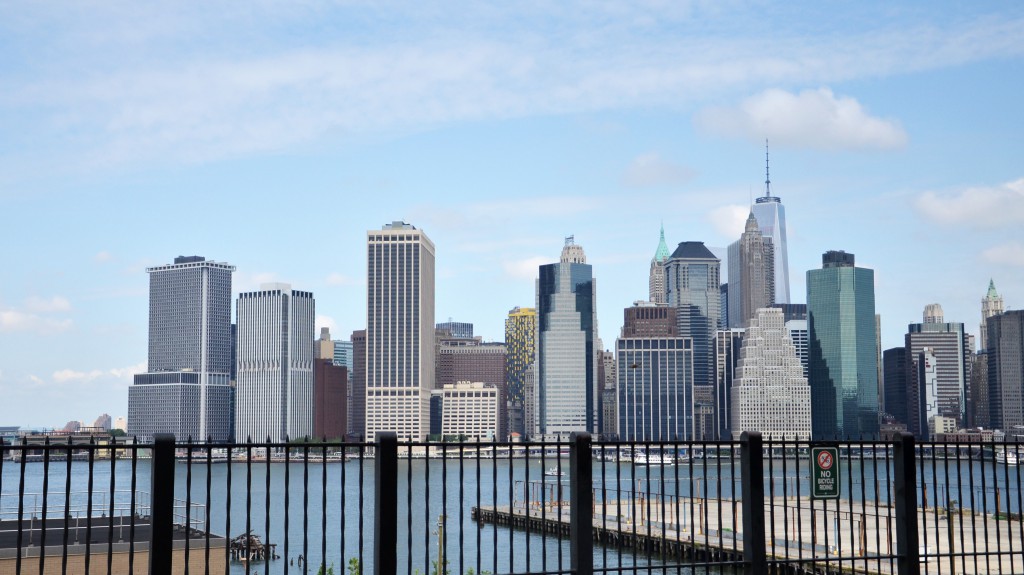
column 825, row 473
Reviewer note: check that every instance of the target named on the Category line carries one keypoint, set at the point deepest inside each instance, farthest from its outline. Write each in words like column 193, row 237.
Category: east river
column 332, row 504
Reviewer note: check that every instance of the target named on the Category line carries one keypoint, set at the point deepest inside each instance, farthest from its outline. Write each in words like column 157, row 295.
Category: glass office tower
column 567, row 354
column 843, row 363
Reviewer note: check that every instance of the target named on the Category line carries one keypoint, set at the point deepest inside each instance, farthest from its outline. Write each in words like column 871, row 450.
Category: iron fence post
column 905, row 471
column 161, row 534
column 581, row 504
column 385, row 525
column 755, row 559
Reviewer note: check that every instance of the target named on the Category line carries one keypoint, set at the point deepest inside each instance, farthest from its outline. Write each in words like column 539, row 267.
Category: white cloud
column 729, row 220
column 328, row 322
column 52, row 305
column 980, row 206
column 118, row 373
column 338, row 279
column 66, row 375
column 13, row 320
column 174, row 85
column 651, row 170
column 38, row 315
column 244, row 281
column 103, row 257
column 1010, row 253
column 525, row 269
column 815, row 119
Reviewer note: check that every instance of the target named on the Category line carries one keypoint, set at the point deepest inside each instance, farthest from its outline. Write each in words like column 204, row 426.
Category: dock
column 853, row 536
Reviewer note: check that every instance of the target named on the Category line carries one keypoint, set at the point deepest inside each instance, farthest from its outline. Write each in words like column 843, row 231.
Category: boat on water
column 653, row 458
column 1007, row 458
column 554, row 472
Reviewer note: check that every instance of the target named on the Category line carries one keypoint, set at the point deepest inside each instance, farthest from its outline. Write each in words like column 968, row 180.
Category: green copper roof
column 992, row 290
column 662, row 254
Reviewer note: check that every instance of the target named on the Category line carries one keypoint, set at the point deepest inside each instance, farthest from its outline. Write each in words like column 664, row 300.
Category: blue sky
column 272, row 135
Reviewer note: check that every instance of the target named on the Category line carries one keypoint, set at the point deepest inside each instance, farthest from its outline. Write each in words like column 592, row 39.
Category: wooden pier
column 811, row 537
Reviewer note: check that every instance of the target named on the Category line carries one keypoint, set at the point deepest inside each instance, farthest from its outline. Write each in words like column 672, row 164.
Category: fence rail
column 577, row 506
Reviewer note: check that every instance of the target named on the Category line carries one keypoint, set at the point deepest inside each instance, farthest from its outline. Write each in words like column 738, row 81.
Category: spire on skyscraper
column 751, row 225
column 572, row 253
column 662, row 254
column 991, row 305
column 767, row 180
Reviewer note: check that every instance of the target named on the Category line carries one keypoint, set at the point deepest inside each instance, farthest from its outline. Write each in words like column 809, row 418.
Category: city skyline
column 894, row 134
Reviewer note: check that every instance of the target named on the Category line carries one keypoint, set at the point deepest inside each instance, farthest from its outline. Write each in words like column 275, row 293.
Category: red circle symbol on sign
column 825, row 460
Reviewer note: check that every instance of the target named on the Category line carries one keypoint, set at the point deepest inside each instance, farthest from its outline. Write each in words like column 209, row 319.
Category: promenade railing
column 568, row 506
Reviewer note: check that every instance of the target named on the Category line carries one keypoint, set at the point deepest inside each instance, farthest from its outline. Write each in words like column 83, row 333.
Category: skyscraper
column 751, row 274
column 186, row 390
column 655, row 369
column 479, row 363
column 459, row 329
column 991, row 305
column 950, row 355
column 520, row 330
column 274, row 391
column 771, row 219
column 727, row 354
column 609, row 397
column 843, row 366
column 692, row 279
column 770, row 394
column 1006, row 369
column 357, row 380
column 342, row 354
column 324, row 347
column 894, row 372
column 399, row 331
column 926, row 381
column 567, row 351
column 330, row 400
column 656, row 283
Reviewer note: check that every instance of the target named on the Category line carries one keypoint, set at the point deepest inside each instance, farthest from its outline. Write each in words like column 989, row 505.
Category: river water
column 331, row 504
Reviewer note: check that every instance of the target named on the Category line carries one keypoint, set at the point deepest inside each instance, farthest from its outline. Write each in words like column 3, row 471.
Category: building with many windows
column 468, row 410
column 692, row 280
column 951, row 357
column 656, row 281
column 459, row 329
column 520, row 332
column 357, row 383
column 399, row 331
column 770, row 394
column 751, row 274
column 991, row 304
column 727, row 355
column 568, row 351
column 894, row 377
column 274, row 391
column 186, row 389
column 843, row 362
column 342, row 355
column 330, row 400
column 479, row 362
column 1005, row 342
column 927, row 393
column 655, row 371
column 771, row 219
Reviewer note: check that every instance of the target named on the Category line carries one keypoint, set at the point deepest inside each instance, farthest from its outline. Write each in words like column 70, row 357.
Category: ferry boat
column 1007, row 457
column 645, row 458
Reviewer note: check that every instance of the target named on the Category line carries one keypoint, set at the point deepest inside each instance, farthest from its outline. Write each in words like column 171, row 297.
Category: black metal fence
column 574, row 506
